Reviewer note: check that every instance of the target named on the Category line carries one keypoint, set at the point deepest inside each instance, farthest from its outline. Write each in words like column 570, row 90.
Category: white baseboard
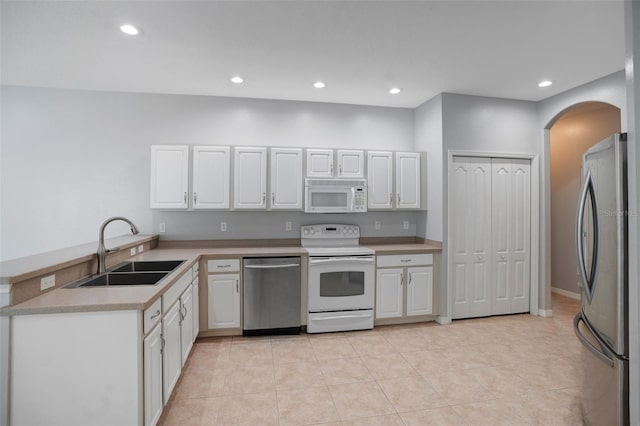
column 566, row 293
column 546, row 313
column 443, row 320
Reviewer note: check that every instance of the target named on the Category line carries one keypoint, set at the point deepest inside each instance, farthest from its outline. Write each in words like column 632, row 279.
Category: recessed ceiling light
column 237, row 79
column 129, row 29
column 394, row 91
column 545, row 83
column 318, row 85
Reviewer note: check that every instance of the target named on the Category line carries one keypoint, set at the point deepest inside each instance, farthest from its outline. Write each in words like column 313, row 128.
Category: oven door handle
column 340, row 260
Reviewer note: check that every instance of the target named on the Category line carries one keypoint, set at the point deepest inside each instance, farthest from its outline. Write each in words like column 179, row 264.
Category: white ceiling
column 360, row 49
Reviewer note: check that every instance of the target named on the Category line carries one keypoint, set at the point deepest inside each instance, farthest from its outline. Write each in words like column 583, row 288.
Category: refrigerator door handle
column 587, row 283
column 600, row 354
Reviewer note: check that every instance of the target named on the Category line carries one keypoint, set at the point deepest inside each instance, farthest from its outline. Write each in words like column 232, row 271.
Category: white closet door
column 511, row 231
column 471, row 236
column 520, row 235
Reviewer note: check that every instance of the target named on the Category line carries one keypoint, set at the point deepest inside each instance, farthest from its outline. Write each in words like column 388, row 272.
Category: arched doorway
column 573, row 132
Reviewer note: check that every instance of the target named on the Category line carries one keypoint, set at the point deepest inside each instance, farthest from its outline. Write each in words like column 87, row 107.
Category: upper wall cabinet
column 250, row 178
column 350, row 164
column 380, row 179
column 319, row 163
column 169, row 176
column 211, row 177
column 286, row 179
column 407, row 180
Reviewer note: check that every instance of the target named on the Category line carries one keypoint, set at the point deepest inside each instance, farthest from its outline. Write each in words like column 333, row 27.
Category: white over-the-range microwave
column 335, row 195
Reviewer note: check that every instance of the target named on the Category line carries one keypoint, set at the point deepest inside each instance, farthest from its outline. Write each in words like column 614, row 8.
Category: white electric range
column 341, row 278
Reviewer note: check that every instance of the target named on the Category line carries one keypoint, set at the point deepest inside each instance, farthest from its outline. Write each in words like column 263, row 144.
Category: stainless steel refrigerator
column 602, row 324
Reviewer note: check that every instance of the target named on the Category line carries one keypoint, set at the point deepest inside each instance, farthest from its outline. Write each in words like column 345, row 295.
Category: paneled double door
column 491, row 236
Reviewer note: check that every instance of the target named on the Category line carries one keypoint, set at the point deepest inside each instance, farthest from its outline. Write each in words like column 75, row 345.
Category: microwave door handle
column 353, row 198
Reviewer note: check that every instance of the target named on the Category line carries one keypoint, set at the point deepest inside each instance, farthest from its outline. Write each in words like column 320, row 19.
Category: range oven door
column 341, row 283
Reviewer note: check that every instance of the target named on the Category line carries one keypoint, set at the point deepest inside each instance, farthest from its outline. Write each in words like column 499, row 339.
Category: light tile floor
column 507, row 370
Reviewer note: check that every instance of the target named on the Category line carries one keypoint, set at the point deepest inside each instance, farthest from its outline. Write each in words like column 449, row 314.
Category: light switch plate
column 140, row 248
column 223, row 226
column 47, row 282
column 132, row 251
column 377, row 224
column 162, row 227
column 405, row 225
column 287, row 226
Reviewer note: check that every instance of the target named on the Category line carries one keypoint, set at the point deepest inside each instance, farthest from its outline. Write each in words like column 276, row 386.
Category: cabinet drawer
column 152, row 315
column 176, row 290
column 223, row 265
column 404, row 260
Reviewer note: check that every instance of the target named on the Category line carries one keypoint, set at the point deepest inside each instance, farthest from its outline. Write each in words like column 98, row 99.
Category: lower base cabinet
column 172, row 352
column 404, row 291
column 224, row 301
column 153, row 399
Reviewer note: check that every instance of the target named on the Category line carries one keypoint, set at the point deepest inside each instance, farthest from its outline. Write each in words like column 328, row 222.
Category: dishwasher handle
column 284, row 265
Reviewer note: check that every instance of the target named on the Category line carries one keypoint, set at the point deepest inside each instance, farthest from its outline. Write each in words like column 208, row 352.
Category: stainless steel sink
column 149, row 266
column 121, row 279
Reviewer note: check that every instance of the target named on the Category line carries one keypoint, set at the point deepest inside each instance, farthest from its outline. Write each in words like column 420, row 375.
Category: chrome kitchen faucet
column 102, row 251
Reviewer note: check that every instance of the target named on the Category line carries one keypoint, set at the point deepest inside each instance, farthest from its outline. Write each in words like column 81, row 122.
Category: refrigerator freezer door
column 601, row 240
column 605, row 393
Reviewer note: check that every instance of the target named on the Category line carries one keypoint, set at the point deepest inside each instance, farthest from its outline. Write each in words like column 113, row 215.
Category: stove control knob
column 306, row 231
column 344, row 230
column 312, row 231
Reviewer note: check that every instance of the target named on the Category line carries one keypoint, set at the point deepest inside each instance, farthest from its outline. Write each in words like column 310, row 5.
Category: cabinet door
column 186, row 323
column 172, row 352
column 224, row 301
column 389, row 295
column 350, row 164
column 169, row 176
column 319, row 163
column 470, row 184
column 250, row 178
column 511, row 229
column 380, row 180
column 408, row 180
column 420, row 291
column 286, row 178
column 196, row 308
column 153, row 376
column 211, row 177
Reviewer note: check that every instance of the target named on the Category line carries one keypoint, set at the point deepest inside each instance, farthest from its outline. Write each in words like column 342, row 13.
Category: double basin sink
column 131, row 273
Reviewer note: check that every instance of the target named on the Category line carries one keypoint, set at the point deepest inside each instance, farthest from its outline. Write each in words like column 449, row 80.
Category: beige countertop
column 64, row 300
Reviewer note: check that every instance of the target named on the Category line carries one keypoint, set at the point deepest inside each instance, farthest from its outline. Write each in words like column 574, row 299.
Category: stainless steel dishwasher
column 271, row 297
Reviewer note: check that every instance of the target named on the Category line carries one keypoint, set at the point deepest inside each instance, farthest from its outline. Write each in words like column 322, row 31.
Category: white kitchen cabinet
column 404, row 286
column 186, row 323
column 491, row 232
column 250, row 178
column 286, row 179
column 210, row 176
column 196, row 307
column 350, row 164
column 153, row 401
column 172, row 351
column 224, row 301
column 380, row 180
column 319, row 163
column 389, row 293
column 408, row 180
column 420, row 291
column 169, row 182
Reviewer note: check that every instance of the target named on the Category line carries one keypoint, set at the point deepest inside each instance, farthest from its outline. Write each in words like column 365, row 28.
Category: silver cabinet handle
column 156, row 315
column 237, row 287
column 401, row 279
column 398, row 199
column 195, row 198
column 405, row 260
column 410, row 278
column 331, row 168
column 273, row 198
column 503, row 257
column 223, row 266
column 264, row 197
column 186, row 311
column 340, row 170
column 390, row 198
column 480, row 258
column 185, row 197
column 162, row 343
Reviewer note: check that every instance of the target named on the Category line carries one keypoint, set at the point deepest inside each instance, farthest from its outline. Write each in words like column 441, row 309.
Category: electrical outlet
column 140, row 248
column 47, row 282
column 162, row 227
column 287, row 226
column 405, row 225
column 132, row 251
column 377, row 224
column 223, row 226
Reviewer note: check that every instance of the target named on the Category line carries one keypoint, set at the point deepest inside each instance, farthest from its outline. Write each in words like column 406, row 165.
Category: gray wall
column 571, row 136
column 71, row 159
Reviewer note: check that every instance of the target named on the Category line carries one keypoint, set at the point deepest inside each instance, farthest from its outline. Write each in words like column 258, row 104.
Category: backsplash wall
column 205, row 225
